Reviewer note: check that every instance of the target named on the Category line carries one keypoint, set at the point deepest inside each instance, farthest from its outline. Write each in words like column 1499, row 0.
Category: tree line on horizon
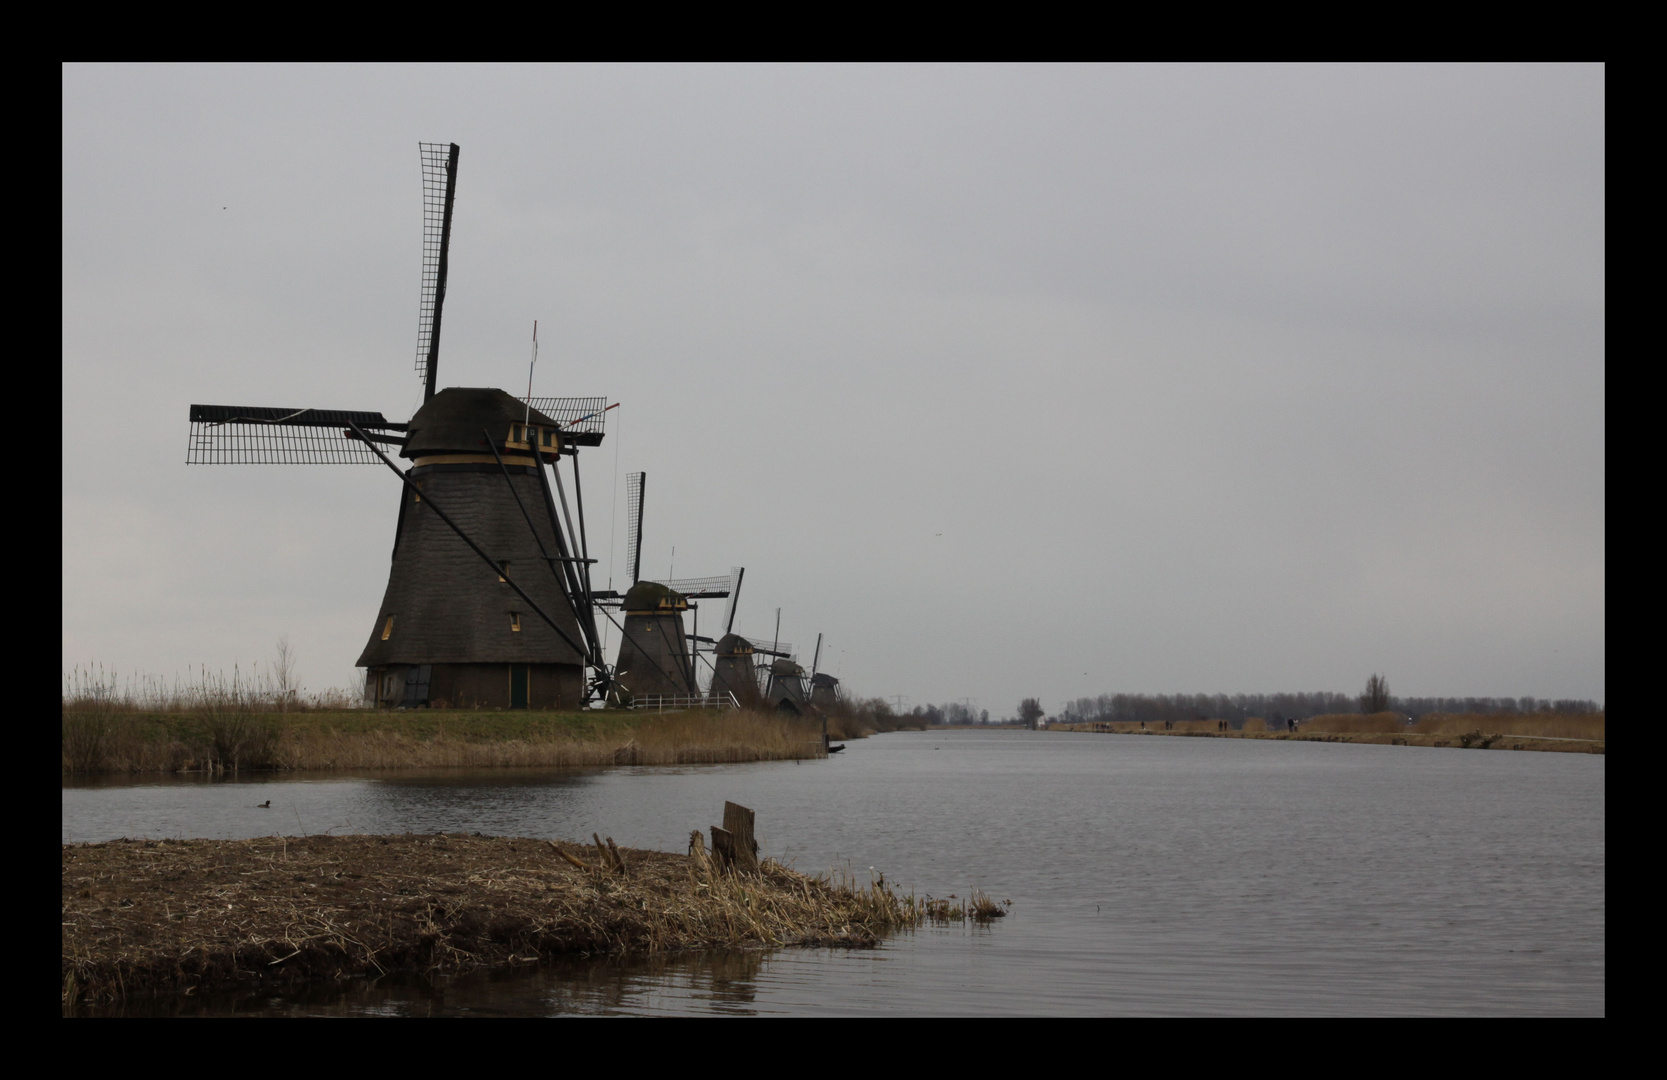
column 1156, row 708
column 877, row 714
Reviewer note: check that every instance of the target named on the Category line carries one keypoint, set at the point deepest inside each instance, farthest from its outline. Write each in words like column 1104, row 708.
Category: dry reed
column 361, row 739
column 1377, row 723
column 1524, row 725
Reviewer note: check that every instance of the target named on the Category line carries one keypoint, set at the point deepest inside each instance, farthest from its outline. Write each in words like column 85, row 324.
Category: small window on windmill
column 388, row 628
column 503, row 568
column 515, row 622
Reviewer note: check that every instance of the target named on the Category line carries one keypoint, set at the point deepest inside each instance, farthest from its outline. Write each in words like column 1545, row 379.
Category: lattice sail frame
column 259, row 435
column 633, row 523
column 761, row 644
column 715, row 587
column 576, row 415
column 436, row 159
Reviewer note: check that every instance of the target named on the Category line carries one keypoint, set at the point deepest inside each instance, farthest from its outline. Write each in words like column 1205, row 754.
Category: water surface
column 1148, row 876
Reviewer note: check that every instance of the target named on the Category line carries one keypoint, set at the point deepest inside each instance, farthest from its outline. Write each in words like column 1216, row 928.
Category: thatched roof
column 647, row 596
column 733, row 645
column 453, row 420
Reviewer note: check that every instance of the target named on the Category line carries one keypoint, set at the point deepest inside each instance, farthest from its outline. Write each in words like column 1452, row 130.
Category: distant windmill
column 824, row 688
column 786, row 690
column 489, row 600
column 732, row 670
column 656, row 655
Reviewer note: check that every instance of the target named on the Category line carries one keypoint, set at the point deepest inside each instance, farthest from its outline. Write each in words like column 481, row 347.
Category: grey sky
column 1012, row 381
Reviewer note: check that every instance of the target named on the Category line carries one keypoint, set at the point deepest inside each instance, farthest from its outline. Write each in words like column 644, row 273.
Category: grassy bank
column 1581, row 733
column 102, row 738
column 142, row 917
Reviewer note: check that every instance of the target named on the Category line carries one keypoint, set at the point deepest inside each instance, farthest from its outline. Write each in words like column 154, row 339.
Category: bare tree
column 1376, row 697
column 285, row 675
column 1030, row 711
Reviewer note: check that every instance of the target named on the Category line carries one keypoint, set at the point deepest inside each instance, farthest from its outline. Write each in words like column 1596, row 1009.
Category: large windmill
column 489, row 601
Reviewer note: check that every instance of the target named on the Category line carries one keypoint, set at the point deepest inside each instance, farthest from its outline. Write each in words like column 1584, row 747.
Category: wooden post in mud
column 738, row 822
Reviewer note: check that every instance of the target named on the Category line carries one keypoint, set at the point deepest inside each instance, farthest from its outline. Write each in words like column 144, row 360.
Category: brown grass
column 144, row 916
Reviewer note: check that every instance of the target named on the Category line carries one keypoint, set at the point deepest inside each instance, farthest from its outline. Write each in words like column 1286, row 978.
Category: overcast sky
column 1011, row 381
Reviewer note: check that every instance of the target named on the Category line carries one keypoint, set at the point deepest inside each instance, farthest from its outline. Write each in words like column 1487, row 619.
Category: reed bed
column 1383, row 723
column 1564, row 733
column 143, row 742
column 976, row 908
column 144, row 917
column 1531, row 725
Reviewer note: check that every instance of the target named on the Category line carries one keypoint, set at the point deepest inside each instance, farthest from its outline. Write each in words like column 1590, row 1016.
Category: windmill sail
column 260, row 435
column 582, row 419
column 769, row 647
column 737, row 573
column 633, row 523
column 701, row 588
column 439, row 191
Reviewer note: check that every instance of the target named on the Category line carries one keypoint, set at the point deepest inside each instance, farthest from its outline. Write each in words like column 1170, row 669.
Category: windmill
column 824, row 688
column 657, row 657
column 786, row 689
column 488, row 601
column 732, row 671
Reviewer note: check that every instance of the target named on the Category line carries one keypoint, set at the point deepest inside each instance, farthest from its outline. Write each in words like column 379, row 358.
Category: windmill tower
column 654, row 658
column 732, row 670
column 488, row 601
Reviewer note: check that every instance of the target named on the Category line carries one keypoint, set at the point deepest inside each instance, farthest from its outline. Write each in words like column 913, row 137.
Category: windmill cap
column 648, row 597
column 453, row 419
column 734, row 645
column 786, row 667
column 822, row 678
